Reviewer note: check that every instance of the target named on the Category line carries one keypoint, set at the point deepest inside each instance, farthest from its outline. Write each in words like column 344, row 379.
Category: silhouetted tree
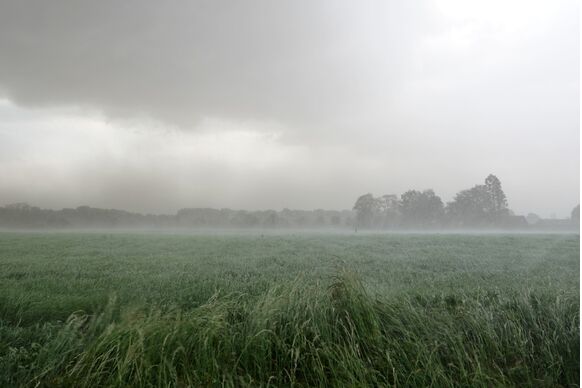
column 469, row 207
column 365, row 208
column 497, row 199
column 482, row 205
column 387, row 211
column 421, row 208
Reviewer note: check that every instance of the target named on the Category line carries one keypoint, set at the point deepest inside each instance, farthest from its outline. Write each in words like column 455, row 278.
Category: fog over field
column 153, row 107
column 300, row 193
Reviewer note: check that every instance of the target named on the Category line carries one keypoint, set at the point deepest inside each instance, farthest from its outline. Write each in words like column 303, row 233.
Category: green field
column 306, row 310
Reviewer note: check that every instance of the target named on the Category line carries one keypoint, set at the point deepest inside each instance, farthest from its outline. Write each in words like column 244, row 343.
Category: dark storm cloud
column 300, row 62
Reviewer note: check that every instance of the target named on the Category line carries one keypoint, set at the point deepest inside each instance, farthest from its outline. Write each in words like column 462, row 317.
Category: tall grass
column 305, row 333
column 281, row 310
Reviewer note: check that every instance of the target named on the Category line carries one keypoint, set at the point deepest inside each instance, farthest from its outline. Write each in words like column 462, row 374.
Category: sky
column 153, row 106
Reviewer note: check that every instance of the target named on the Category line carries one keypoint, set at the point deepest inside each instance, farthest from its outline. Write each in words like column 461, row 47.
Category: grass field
column 88, row 310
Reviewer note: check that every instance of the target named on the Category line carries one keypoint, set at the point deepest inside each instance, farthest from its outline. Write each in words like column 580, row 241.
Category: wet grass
column 306, row 310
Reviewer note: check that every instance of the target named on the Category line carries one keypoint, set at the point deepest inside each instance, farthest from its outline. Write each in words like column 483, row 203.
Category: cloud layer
column 260, row 101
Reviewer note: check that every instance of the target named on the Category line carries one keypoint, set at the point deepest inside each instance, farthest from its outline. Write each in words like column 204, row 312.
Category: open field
column 307, row 309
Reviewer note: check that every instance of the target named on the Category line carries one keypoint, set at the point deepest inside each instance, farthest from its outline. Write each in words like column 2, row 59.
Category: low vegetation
column 306, row 310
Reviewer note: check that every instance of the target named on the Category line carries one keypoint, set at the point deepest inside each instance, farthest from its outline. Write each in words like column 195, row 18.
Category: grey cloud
column 301, row 62
column 325, row 70
column 379, row 96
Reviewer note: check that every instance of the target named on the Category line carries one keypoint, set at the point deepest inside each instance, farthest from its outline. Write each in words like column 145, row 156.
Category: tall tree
column 482, row 205
column 468, row 208
column 387, row 209
column 421, row 208
column 497, row 199
column 365, row 208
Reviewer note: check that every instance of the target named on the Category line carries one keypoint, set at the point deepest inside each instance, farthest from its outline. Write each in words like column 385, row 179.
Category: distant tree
column 482, row 205
column 251, row 220
column 301, row 220
column 239, row 219
column 469, row 207
column 387, row 211
column 20, row 206
column 365, row 208
column 532, row 218
column 421, row 208
column 497, row 199
column 575, row 215
column 271, row 219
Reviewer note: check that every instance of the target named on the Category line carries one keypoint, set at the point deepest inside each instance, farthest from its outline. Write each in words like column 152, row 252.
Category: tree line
column 23, row 215
column 482, row 206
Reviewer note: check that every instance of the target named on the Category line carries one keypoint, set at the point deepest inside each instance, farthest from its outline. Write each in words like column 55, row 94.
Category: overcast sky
column 157, row 105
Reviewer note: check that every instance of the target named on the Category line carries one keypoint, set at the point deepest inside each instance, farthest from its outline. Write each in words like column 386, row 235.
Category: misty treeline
column 22, row 215
column 483, row 206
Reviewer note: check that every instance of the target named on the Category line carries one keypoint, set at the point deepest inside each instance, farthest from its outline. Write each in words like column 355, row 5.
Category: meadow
column 303, row 309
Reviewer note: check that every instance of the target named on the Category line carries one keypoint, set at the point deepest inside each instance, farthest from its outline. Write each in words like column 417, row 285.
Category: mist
column 310, row 193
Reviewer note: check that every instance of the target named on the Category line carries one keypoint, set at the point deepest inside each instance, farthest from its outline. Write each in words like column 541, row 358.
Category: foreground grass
column 489, row 311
